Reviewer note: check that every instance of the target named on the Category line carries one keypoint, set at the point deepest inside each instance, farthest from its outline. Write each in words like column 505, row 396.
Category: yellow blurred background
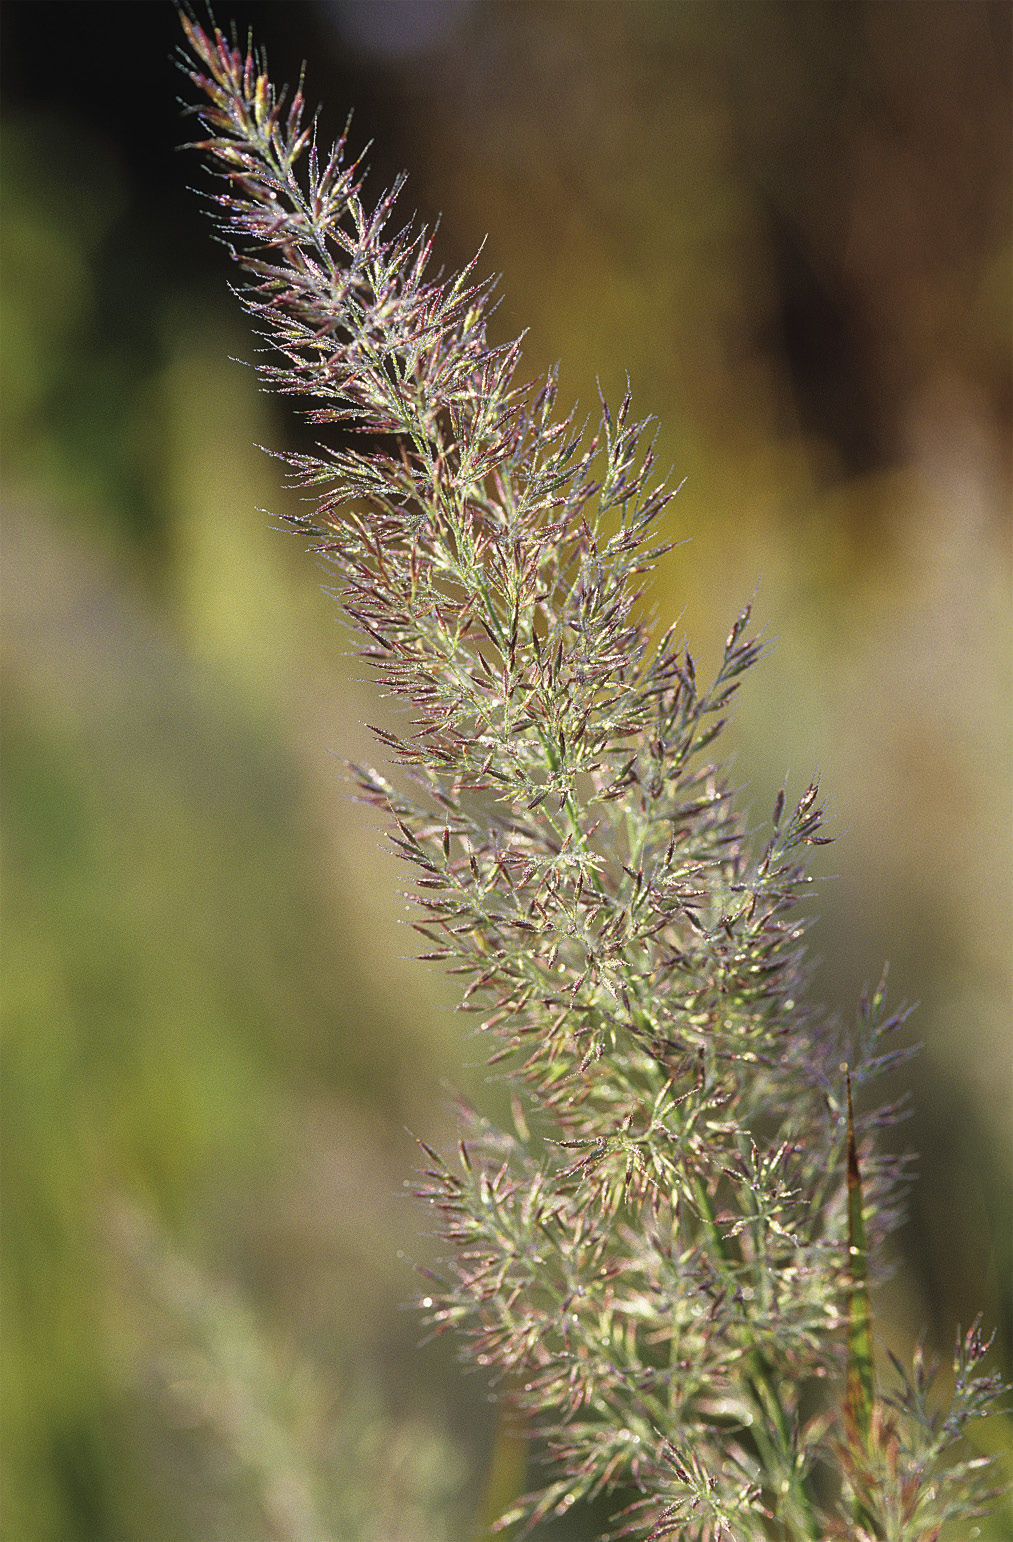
column 788, row 222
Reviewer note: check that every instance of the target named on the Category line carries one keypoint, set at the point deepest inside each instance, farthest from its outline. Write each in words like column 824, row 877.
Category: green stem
column 776, row 1453
column 861, row 1388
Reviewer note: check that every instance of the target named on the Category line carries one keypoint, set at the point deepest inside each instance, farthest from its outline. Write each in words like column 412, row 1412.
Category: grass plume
column 666, row 1258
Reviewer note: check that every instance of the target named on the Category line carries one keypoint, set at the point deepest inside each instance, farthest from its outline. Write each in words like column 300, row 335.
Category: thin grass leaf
column 861, row 1387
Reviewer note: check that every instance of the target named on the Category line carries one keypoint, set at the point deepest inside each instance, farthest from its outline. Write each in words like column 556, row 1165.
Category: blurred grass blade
column 506, row 1475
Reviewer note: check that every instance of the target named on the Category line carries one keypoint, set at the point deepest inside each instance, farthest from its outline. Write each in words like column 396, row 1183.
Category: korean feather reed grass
column 666, row 1260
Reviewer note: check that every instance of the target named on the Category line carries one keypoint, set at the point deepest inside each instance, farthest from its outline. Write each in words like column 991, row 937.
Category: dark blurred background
column 789, row 223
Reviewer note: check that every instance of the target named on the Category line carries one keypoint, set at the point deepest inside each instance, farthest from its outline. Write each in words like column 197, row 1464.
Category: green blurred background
column 789, row 222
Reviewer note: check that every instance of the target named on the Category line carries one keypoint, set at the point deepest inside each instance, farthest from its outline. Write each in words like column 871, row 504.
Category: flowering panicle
column 660, row 1256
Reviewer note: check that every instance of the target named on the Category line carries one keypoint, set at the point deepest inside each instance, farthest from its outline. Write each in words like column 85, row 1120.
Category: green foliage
column 663, row 1256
